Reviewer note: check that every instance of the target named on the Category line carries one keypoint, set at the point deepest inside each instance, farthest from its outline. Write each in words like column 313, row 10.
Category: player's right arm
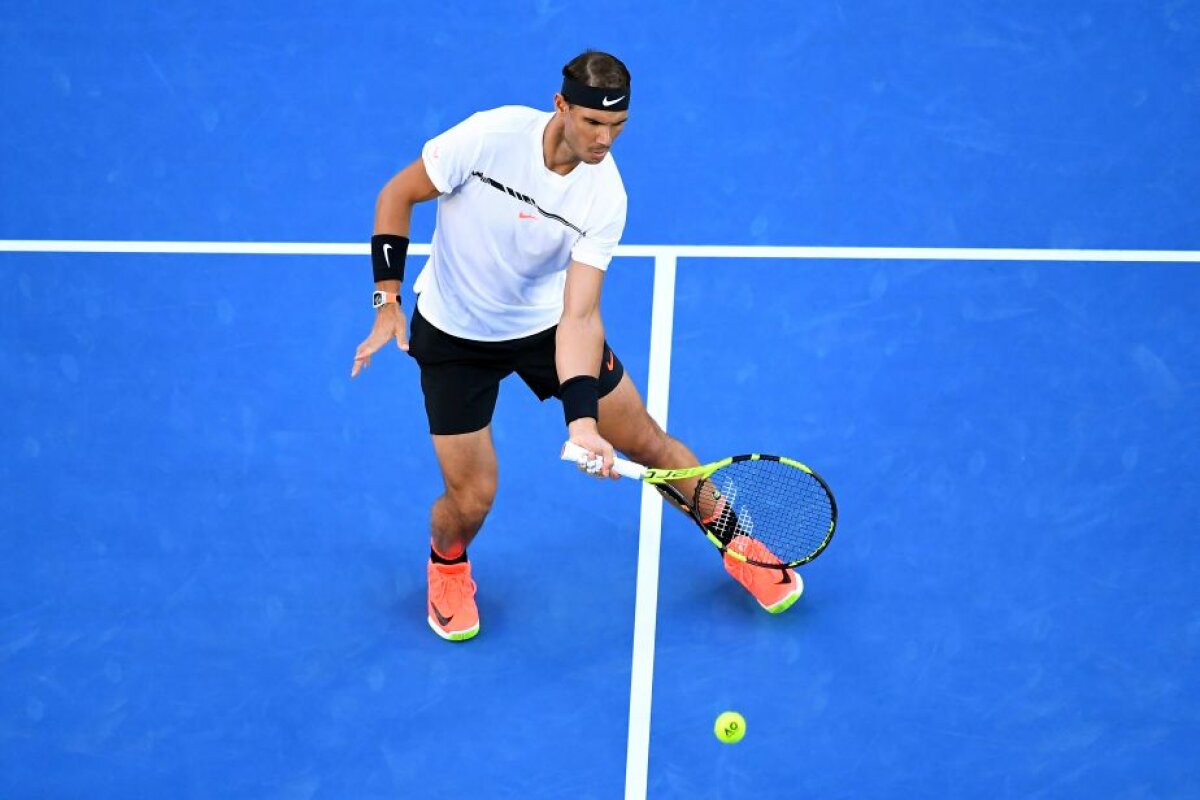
column 393, row 216
column 409, row 186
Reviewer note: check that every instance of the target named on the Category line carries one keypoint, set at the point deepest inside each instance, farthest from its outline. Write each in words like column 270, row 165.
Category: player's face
column 590, row 132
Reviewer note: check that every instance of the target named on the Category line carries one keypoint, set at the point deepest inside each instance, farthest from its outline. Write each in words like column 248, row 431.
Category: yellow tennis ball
column 730, row 727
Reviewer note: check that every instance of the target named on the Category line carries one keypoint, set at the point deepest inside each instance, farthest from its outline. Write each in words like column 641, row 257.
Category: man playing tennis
column 530, row 209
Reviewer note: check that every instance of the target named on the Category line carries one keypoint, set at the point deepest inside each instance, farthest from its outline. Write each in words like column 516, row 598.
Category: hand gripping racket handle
column 626, row 469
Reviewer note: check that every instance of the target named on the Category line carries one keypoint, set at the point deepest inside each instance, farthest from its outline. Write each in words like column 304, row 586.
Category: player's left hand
column 390, row 323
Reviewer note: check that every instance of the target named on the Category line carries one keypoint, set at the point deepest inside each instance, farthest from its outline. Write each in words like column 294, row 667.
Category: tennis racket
column 768, row 511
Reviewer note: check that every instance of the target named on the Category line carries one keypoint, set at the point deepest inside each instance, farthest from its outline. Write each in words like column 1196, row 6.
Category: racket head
column 769, row 511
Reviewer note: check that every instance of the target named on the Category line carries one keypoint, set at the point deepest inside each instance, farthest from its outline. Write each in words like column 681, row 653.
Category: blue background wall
column 1024, row 124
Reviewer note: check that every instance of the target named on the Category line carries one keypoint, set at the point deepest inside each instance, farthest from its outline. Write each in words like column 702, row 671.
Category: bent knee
column 471, row 506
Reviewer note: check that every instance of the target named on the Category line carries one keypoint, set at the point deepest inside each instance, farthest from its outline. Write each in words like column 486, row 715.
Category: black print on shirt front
column 526, row 199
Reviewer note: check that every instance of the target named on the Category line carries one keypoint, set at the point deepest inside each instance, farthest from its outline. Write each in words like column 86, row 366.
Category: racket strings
column 784, row 508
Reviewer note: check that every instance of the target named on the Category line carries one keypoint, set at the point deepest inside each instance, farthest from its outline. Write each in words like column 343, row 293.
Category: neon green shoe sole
column 788, row 601
column 453, row 636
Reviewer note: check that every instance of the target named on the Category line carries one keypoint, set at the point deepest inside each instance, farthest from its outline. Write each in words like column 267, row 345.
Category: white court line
column 641, row 682
column 201, row 248
column 635, row 250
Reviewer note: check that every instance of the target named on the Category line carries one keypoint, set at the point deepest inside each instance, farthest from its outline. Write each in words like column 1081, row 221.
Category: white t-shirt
column 507, row 227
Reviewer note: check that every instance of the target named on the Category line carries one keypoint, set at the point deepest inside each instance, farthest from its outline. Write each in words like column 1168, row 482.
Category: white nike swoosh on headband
column 606, row 102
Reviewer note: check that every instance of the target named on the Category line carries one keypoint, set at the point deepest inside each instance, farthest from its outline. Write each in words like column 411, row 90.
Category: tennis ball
column 730, row 727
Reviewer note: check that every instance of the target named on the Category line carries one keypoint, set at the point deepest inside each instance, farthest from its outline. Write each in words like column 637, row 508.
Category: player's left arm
column 580, row 342
column 580, row 338
column 579, row 347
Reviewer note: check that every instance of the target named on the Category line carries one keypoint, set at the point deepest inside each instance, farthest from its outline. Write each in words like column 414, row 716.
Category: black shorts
column 461, row 377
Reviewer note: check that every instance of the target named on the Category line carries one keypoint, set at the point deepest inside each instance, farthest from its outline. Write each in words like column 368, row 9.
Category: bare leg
column 626, row 424
column 470, row 473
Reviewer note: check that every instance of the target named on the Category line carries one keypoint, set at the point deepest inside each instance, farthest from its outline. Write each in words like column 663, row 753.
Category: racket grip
column 626, row 469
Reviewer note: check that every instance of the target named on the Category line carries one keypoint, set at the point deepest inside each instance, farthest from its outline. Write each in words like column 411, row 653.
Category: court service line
column 641, row 681
column 644, row 251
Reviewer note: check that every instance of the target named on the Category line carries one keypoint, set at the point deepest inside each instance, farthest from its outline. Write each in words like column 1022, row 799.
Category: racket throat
column 721, row 520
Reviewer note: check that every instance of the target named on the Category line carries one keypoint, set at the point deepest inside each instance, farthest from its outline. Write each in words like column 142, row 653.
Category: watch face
column 378, row 299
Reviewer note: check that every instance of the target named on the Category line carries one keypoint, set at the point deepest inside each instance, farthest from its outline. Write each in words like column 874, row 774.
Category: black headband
column 580, row 94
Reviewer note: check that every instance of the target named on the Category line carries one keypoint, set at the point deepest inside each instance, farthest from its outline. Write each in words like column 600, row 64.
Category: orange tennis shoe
column 776, row 590
column 452, row 612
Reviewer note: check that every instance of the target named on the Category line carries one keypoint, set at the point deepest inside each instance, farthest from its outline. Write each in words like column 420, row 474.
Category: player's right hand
column 599, row 459
column 390, row 323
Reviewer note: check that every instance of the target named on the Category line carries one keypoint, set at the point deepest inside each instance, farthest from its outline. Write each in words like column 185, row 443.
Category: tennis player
column 530, row 209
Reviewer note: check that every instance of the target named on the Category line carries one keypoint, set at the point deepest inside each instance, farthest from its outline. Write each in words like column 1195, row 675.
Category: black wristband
column 580, row 397
column 388, row 252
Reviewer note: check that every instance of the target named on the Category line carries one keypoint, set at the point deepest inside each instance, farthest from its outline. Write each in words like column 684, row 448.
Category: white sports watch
column 380, row 299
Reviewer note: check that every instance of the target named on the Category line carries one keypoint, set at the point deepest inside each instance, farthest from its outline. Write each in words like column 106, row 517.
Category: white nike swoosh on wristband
column 387, row 260
column 606, row 102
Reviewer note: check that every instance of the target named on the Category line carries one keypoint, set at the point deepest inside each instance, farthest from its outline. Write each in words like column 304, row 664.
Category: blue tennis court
column 212, row 542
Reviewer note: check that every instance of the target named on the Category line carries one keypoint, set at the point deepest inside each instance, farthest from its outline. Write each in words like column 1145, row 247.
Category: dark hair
column 598, row 70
